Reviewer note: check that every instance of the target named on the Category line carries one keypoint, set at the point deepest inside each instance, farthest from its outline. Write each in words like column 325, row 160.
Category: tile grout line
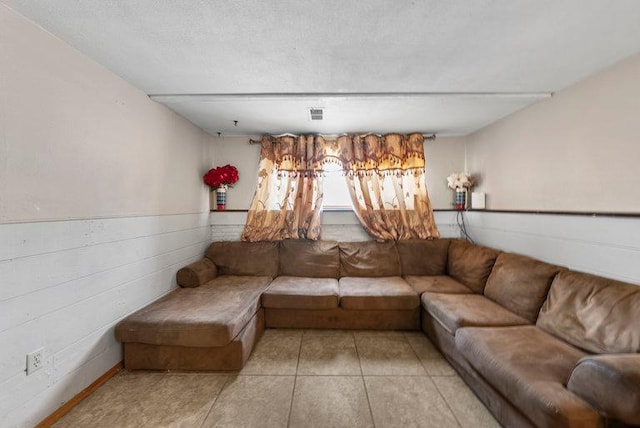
column 404, row 334
column 295, row 380
column 447, row 403
column 432, row 381
column 215, row 400
column 366, row 392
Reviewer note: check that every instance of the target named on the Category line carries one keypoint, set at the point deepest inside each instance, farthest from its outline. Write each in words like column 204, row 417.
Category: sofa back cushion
column 470, row 264
column 596, row 314
column 244, row 258
column 520, row 284
column 314, row 259
column 423, row 257
column 369, row 258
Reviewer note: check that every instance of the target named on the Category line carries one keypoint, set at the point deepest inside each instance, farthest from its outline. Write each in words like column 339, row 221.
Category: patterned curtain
column 288, row 199
column 386, row 180
column 384, row 175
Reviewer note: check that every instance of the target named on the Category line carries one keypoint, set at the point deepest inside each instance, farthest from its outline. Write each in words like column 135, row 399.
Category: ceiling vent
column 316, row 113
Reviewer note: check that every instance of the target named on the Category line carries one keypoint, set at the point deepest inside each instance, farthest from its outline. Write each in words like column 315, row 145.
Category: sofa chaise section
column 212, row 322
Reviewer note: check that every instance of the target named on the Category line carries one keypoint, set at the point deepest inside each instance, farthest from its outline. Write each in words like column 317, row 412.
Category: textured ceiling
column 376, row 65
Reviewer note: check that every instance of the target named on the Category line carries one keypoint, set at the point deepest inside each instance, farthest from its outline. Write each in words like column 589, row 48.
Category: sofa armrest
column 610, row 383
column 197, row 273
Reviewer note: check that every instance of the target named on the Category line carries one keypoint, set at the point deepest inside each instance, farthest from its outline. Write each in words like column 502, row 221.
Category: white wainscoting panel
column 64, row 286
column 605, row 246
column 336, row 225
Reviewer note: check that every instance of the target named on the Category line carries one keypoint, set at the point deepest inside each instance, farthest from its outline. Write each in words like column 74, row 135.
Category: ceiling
column 437, row 66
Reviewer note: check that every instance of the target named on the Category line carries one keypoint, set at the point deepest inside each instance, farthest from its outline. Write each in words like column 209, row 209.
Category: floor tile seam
column 266, row 374
column 340, row 374
column 344, row 375
column 418, row 357
column 293, row 393
column 215, row 400
column 295, row 380
column 355, row 344
column 366, row 392
column 196, row 374
column 327, row 375
column 329, row 334
column 447, row 403
column 395, row 375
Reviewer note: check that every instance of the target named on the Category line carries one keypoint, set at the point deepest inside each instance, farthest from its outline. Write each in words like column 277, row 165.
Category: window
column 336, row 195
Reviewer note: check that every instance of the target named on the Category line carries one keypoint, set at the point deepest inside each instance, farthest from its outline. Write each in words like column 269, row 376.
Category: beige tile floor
column 298, row 378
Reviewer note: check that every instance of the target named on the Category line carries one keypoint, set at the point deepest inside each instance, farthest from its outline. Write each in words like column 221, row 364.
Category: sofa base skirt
column 233, row 356
column 339, row 318
column 502, row 410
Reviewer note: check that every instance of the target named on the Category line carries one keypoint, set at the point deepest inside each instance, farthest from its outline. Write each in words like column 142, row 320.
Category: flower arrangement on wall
column 221, row 176
column 219, row 179
column 460, row 182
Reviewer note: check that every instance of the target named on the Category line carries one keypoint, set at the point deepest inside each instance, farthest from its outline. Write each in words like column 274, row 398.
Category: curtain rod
column 426, row 136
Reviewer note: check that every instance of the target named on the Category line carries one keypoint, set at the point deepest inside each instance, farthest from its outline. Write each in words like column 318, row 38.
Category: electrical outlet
column 35, row 360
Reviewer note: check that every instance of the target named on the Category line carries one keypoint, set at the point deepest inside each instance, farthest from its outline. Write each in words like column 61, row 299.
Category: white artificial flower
column 459, row 181
column 451, row 180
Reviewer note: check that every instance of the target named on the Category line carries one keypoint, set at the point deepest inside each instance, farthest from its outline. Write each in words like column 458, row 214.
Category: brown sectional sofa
column 539, row 344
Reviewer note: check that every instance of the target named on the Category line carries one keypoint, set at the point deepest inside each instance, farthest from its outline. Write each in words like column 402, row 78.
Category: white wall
column 101, row 201
column 605, row 246
column 336, row 226
column 238, row 152
column 65, row 284
column 443, row 156
column 576, row 151
column 79, row 142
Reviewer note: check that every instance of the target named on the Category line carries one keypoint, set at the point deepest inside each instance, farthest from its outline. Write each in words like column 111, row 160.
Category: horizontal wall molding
column 605, row 246
column 564, row 213
column 65, row 284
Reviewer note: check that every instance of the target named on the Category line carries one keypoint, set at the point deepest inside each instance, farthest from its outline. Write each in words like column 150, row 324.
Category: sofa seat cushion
column 453, row 311
column 529, row 368
column 385, row 293
column 210, row 315
column 294, row 292
column 436, row 284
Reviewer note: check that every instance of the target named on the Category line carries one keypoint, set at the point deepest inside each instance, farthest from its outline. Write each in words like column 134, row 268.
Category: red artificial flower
column 218, row 176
